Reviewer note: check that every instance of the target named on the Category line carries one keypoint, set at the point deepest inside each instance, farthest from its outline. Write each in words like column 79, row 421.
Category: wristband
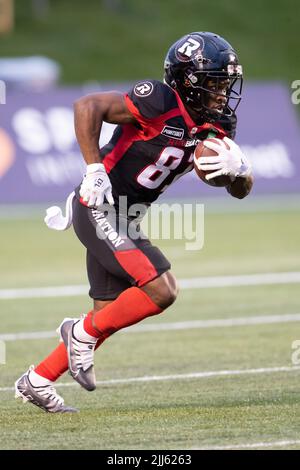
column 93, row 167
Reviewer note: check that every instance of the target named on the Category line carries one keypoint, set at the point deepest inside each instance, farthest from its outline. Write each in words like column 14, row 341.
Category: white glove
column 95, row 185
column 231, row 162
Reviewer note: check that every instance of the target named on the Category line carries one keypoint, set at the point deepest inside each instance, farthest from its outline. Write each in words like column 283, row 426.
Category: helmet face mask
column 213, row 94
column 204, row 69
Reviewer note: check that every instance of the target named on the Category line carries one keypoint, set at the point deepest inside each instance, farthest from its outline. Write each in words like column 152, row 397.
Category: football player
column 158, row 127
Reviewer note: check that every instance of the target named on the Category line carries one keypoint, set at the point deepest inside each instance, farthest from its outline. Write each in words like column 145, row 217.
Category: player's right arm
column 89, row 114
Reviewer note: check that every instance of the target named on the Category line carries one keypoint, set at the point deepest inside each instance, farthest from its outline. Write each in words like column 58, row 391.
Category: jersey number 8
column 154, row 174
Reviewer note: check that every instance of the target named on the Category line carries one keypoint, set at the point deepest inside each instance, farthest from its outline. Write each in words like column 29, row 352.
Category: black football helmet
column 202, row 66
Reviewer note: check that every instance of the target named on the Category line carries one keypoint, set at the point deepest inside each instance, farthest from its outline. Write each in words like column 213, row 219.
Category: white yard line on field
column 192, row 283
column 187, row 325
column 255, row 445
column 190, row 376
column 42, row 292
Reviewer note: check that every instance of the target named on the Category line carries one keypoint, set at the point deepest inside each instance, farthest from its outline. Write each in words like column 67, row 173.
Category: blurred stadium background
column 219, row 368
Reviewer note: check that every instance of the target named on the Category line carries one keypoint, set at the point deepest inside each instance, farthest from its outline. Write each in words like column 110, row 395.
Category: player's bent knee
column 170, row 290
column 173, row 284
column 162, row 290
column 168, row 296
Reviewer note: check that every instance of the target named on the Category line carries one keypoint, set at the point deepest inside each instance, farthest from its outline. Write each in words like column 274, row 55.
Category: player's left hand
column 229, row 161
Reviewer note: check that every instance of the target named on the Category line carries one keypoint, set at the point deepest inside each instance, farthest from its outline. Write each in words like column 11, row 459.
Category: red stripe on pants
column 137, row 265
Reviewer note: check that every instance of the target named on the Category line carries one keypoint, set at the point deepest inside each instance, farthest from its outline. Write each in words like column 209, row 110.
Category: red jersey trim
column 152, row 127
column 192, row 125
column 129, row 135
column 135, row 112
column 137, row 265
column 187, row 118
column 83, row 202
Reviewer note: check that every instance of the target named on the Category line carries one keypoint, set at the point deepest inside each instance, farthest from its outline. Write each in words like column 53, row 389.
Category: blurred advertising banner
column 40, row 160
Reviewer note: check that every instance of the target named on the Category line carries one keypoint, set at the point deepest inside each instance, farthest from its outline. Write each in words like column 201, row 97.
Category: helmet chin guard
column 204, row 68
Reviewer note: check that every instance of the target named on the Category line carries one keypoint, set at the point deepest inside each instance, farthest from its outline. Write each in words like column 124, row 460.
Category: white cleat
column 80, row 356
column 44, row 397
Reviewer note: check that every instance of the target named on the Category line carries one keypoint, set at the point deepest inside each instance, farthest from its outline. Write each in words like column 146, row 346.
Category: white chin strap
column 54, row 218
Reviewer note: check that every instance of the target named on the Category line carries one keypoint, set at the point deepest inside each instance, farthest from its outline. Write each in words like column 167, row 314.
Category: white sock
column 37, row 380
column 80, row 333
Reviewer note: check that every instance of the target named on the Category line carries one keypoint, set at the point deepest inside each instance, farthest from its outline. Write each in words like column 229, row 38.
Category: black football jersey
column 143, row 160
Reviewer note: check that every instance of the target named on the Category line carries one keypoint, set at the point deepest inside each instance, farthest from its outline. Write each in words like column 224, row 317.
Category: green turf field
column 180, row 411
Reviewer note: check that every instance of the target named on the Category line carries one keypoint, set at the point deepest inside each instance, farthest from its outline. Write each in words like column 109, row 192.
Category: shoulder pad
column 149, row 99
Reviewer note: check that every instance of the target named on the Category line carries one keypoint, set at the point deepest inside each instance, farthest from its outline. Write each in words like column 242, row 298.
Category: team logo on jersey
column 189, row 48
column 143, row 89
column 173, row 132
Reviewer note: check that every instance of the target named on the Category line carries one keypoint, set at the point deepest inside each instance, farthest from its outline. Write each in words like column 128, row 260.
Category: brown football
column 202, row 151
